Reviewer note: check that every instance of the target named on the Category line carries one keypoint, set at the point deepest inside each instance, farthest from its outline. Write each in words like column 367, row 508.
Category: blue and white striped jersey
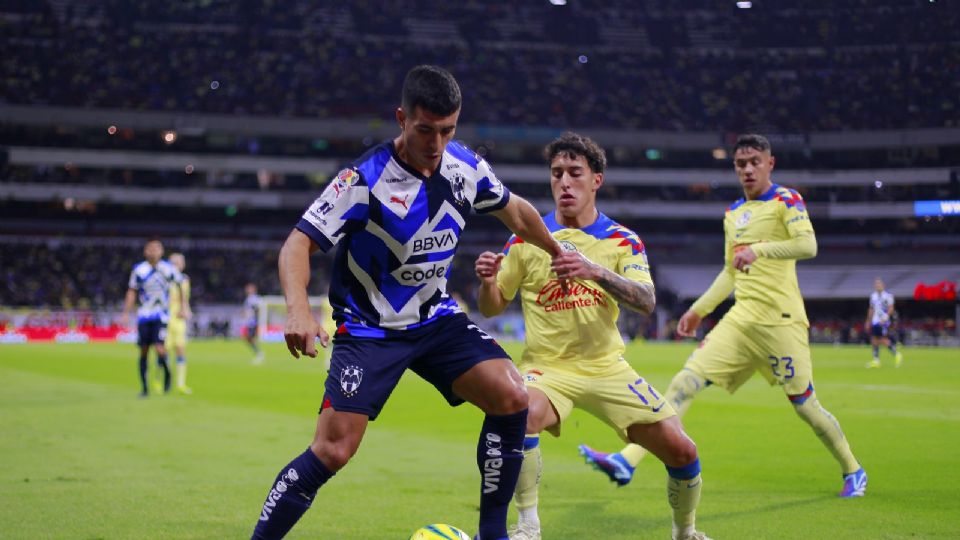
column 398, row 233
column 153, row 288
column 251, row 309
column 881, row 303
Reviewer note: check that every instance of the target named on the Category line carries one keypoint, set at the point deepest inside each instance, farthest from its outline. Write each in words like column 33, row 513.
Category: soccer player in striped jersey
column 150, row 283
column 396, row 215
column 574, row 352
column 252, row 304
column 766, row 232
column 879, row 320
column 177, row 327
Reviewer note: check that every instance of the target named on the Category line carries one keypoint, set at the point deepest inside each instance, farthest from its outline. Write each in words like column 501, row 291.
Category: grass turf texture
column 83, row 458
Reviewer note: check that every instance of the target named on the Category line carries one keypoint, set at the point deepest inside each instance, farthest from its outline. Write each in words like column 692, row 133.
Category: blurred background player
column 574, row 352
column 880, row 321
column 150, row 284
column 766, row 233
column 252, row 304
column 177, row 326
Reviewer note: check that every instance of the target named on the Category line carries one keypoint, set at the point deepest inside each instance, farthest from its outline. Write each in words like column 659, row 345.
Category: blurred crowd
column 66, row 276
column 701, row 66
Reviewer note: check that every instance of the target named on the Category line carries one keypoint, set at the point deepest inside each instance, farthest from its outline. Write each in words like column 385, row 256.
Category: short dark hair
column 752, row 140
column 574, row 145
column 432, row 88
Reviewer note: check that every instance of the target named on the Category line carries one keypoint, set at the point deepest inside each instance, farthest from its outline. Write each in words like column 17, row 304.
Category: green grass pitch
column 82, row 458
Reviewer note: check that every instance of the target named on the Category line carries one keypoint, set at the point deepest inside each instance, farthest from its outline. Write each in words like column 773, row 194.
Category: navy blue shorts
column 879, row 330
column 364, row 371
column 150, row 332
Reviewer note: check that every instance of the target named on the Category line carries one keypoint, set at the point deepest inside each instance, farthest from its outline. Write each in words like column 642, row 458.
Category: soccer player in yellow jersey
column 766, row 330
column 177, row 327
column 574, row 352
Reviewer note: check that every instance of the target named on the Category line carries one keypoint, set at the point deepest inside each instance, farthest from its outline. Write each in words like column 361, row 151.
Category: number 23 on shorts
column 782, row 367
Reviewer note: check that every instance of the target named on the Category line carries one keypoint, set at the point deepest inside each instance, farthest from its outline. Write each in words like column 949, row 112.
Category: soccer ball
column 439, row 531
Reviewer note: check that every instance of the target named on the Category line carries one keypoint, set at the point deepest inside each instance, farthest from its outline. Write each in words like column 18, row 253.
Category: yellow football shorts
column 176, row 333
column 730, row 354
column 620, row 398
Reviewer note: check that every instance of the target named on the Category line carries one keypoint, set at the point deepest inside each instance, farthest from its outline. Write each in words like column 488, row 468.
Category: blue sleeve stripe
column 308, row 229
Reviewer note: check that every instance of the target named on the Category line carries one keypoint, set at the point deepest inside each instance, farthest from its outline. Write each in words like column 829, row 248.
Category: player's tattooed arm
column 640, row 297
column 637, row 296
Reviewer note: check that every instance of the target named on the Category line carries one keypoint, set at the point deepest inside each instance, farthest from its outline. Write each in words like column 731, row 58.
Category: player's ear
column 773, row 161
column 597, row 181
column 401, row 117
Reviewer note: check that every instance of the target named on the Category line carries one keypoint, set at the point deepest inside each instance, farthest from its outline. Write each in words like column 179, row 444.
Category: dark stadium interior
column 212, row 124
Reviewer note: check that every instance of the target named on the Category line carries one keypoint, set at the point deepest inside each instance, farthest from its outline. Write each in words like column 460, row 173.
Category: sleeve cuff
column 308, row 229
column 498, row 206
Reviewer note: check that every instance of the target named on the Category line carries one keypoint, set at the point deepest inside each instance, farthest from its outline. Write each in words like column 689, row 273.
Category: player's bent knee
column 334, row 455
column 512, row 400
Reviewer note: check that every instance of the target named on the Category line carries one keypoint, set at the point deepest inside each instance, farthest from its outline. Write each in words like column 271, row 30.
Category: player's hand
column 324, row 338
column 487, row 266
column 687, row 327
column 186, row 314
column 301, row 332
column 743, row 257
column 573, row 264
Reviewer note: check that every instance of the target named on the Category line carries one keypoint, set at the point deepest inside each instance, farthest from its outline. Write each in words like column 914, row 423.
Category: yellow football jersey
column 175, row 296
column 769, row 293
column 576, row 330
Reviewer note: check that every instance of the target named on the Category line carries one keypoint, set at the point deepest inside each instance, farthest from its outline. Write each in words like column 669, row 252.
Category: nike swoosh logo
column 695, row 485
column 657, row 409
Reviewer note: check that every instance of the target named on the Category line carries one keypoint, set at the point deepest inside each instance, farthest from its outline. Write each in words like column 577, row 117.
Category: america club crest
column 568, row 246
column 744, row 219
column 350, row 378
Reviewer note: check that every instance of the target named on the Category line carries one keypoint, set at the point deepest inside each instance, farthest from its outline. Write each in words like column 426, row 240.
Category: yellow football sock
column 684, row 496
column 633, row 453
column 683, row 388
column 826, row 427
column 529, row 482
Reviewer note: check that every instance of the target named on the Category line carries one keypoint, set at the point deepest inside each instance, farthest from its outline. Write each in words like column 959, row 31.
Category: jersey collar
column 767, row 195
column 598, row 226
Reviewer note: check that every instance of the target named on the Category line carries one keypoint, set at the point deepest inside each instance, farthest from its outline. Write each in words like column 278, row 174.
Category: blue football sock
column 162, row 362
column 291, row 495
column 143, row 373
column 893, row 349
column 876, row 351
column 499, row 457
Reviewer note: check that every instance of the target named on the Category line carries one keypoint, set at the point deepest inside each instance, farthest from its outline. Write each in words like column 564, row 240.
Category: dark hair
column 573, row 145
column 752, row 140
column 432, row 88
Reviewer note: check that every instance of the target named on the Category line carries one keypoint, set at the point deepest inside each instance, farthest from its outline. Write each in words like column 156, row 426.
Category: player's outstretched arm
column 301, row 329
column 489, row 298
column 523, row 220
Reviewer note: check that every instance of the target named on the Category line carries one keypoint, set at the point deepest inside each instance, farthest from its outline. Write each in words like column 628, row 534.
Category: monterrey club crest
column 350, row 378
column 456, row 185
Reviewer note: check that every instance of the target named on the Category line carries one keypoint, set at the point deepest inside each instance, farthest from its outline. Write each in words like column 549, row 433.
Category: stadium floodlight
column 744, row 5
column 169, row 136
column 558, row 2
